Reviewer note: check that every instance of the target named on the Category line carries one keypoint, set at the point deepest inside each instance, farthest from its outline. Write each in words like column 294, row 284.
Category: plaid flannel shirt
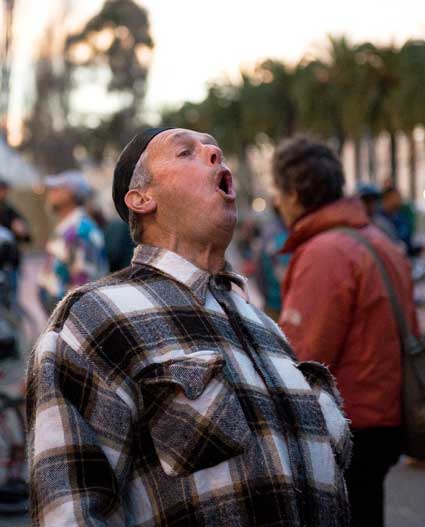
column 159, row 396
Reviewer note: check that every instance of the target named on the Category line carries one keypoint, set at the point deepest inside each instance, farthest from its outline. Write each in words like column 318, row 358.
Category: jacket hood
column 346, row 212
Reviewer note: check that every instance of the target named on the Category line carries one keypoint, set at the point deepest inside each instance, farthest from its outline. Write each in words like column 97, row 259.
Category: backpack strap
column 403, row 328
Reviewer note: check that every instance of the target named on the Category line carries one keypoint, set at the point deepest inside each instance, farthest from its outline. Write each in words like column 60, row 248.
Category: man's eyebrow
column 210, row 139
column 180, row 136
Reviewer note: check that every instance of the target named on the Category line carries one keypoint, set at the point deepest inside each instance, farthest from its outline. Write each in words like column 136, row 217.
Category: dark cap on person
column 126, row 164
column 367, row 190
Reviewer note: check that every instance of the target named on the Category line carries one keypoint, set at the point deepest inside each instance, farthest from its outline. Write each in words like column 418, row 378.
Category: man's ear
column 140, row 201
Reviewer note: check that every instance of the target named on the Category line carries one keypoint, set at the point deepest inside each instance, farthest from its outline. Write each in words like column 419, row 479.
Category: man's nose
column 213, row 154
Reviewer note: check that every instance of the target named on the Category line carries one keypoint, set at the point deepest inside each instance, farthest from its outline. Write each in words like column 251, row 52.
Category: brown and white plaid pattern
column 160, row 397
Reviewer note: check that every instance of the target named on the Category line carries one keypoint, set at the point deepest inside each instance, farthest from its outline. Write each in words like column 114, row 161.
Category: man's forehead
column 177, row 135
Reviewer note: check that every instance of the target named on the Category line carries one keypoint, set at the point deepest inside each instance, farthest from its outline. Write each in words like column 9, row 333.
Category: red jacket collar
column 346, row 212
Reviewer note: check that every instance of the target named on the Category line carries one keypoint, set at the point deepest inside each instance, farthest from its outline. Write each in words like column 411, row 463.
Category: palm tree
column 318, row 110
column 408, row 101
column 349, row 72
column 385, row 61
column 273, row 109
column 333, row 96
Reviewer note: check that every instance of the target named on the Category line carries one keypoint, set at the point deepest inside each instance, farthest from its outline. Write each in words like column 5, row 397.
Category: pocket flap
column 194, row 415
column 190, row 374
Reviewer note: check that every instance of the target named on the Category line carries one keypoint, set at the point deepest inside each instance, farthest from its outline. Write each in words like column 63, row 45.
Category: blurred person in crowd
column 94, row 210
column 119, row 246
column 160, row 395
column 270, row 265
column 371, row 196
column 118, row 243
column 12, row 220
column 336, row 310
column 401, row 216
column 8, row 257
column 247, row 240
column 75, row 253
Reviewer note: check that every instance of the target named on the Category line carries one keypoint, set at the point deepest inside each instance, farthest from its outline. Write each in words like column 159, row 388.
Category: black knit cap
column 125, row 167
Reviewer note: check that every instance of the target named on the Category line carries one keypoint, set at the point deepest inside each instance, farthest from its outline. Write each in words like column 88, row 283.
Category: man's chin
column 230, row 216
column 228, row 224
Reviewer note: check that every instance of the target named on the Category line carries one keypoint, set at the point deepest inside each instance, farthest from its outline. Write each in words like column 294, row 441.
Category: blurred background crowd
column 78, row 79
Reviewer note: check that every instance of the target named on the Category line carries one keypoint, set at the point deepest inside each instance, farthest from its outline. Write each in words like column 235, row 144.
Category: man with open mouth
column 159, row 395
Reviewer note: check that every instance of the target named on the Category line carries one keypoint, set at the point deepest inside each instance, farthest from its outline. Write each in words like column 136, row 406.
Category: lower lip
column 231, row 197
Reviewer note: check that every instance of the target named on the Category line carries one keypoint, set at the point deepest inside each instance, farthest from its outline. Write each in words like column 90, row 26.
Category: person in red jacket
column 336, row 310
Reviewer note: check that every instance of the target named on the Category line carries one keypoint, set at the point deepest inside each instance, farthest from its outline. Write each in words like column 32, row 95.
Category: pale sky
column 198, row 41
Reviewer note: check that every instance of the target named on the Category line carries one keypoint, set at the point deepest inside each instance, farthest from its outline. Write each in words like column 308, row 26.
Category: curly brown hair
column 311, row 169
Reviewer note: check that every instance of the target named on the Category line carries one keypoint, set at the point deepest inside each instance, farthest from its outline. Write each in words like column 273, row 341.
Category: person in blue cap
column 75, row 252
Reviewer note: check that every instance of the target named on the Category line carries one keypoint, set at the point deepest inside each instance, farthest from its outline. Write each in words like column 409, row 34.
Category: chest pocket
column 195, row 418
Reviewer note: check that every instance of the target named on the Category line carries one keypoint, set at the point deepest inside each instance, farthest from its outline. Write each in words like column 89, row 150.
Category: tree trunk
column 340, row 139
column 393, row 158
column 412, row 165
column 357, row 143
column 371, row 157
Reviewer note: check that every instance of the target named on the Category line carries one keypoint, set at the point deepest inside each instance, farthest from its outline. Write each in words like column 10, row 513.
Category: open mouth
column 225, row 185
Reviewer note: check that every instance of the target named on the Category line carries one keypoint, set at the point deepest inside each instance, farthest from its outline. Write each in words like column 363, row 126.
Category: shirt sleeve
column 317, row 304
column 79, row 439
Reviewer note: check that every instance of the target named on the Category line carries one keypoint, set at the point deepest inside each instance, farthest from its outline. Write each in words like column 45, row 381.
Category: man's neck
column 206, row 256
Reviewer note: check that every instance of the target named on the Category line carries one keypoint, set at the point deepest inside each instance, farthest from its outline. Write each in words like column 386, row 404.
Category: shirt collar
column 185, row 272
